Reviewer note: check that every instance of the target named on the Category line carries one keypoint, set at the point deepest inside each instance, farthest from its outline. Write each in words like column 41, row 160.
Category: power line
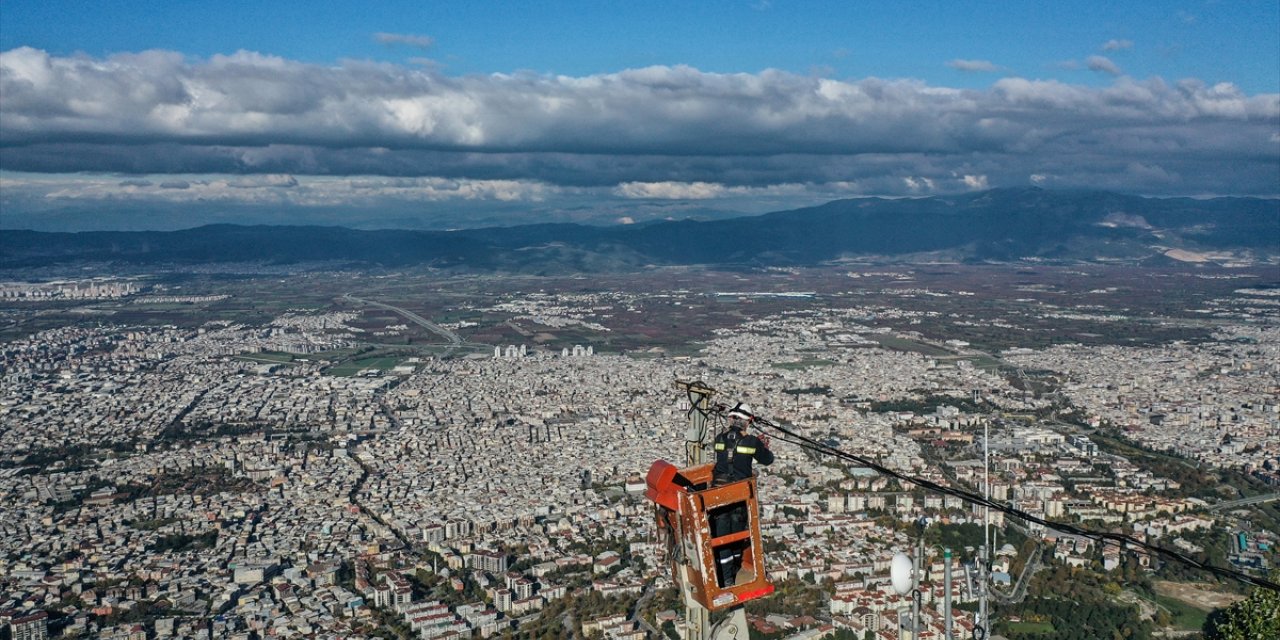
column 1101, row 537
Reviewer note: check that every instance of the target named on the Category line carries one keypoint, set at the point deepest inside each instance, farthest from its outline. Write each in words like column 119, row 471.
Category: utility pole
column 698, row 618
column 915, row 606
column 983, row 554
column 980, row 630
column 696, row 437
column 946, row 594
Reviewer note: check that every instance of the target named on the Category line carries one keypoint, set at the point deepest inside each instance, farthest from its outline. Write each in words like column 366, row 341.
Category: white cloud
column 1038, row 178
column 976, row 183
column 973, row 66
column 918, row 184
column 1117, row 45
column 271, row 180
column 1102, row 64
column 283, row 189
column 1150, row 172
column 628, row 133
column 274, row 106
column 670, row 190
column 415, row 41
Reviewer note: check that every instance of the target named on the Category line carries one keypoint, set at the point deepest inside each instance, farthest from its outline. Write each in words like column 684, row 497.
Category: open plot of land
column 900, row 344
column 1184, row 616
column 269, row 357
column 353, row 367
column 1200, row 596
column 803, row 364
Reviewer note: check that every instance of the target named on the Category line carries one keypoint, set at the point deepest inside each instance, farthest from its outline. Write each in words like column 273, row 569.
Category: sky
column 436, row 114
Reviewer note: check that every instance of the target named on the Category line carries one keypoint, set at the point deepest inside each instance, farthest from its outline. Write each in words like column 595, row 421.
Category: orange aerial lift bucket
column 715, row 532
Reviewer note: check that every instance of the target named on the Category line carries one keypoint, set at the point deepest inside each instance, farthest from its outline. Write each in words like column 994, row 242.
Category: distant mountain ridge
column 996, row 225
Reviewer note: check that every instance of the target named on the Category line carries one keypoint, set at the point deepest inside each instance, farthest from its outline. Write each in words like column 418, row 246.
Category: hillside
column 998, row 225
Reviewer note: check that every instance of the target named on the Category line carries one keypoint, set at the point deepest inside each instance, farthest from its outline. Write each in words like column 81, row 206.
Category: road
column 1020, row 590
column 645, row 597
column 452, row 338
column 569, row 625
column 1231, row 504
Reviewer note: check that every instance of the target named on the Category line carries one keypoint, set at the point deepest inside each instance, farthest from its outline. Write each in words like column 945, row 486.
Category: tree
column 1257, row 616
column 669, row 628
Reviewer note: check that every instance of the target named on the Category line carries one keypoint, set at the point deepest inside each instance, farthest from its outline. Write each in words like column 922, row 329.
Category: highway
column 454, row 340
column 1231, row 504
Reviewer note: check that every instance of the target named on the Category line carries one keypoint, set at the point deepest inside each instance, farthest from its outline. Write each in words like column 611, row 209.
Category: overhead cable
column 1102, row 537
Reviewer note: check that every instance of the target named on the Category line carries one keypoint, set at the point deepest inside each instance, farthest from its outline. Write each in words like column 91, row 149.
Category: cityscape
column 336, row 469
column 663, row 320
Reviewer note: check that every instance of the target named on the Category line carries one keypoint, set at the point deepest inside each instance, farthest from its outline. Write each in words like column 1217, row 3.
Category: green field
column 899, row 344
column 1184, row 615
column 351, row 368
column 803, row 364
column 986, row 363
column 269, row 357
column 1030, row 628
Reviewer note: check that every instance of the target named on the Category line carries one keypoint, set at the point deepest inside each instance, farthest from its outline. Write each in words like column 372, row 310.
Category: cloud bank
column 656, row 132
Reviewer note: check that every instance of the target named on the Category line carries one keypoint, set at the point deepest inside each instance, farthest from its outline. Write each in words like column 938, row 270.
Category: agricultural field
column 354, row 367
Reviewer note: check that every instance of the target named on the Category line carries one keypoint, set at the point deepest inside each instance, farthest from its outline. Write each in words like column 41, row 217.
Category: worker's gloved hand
column 765, row 441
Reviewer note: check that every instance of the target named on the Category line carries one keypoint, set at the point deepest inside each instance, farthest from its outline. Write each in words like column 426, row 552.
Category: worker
column 735, row 451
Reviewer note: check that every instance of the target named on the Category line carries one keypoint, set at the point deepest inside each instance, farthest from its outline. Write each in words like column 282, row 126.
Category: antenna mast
column 985, row 553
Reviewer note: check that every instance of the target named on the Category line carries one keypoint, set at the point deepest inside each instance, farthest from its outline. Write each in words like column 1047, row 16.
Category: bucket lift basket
column 714, row 532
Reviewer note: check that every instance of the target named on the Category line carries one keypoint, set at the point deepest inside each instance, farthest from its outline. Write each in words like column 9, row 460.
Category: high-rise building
column 30, row 627
column 502, row 599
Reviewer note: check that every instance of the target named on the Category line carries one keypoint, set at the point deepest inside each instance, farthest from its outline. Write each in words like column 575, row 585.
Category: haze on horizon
column 451, row 114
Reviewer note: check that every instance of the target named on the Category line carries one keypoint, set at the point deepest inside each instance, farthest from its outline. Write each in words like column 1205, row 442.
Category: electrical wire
column 1101, row 537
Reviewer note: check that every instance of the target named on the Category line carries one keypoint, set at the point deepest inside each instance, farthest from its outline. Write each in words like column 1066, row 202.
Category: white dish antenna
column 900, row 571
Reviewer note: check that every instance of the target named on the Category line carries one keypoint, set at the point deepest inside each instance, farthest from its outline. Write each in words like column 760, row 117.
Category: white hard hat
column 742, row 411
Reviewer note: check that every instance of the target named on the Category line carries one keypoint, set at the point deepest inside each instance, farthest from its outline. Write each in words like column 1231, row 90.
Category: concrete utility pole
column 946, row 594
column 698, row 618
column 980, row 630
column 696, row 437
column 983, row 554
column 915, row 606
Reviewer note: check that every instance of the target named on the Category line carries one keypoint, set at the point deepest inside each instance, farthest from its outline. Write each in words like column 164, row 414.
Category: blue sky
column 1233, row 41
column 625, row 110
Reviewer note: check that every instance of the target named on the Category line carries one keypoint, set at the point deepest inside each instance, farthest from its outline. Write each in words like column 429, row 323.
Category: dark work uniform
column 735, row 451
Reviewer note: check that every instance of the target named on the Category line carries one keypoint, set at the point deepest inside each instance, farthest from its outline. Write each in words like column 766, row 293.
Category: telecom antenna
column 904, row 576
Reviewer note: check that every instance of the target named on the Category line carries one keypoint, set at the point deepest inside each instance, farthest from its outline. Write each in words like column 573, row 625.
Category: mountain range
column 999, row 225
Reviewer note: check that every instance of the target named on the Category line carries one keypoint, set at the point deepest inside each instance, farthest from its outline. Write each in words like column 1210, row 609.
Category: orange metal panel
column 661, row 484
column 691, row 498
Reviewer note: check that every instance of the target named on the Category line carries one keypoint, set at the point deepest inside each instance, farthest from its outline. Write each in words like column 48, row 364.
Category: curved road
column 1270, row 497
column 1020, row 590
column 455, row 341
